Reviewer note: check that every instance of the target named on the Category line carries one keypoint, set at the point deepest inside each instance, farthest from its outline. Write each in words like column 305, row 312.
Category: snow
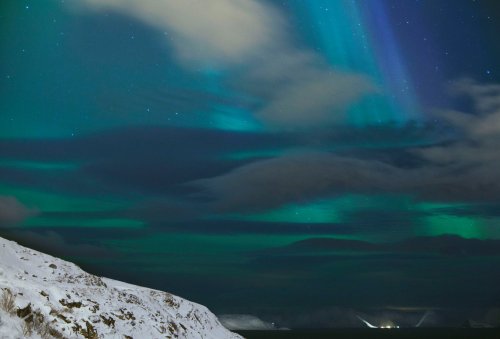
column 11, row 327
column 78, row 304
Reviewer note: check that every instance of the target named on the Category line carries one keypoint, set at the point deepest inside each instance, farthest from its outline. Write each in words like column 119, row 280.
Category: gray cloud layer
column 54, row 244
column 205, row 32
column 469, row 168
column 13, row 212
column 296, row 88
column 273, row 182
column 464, row 169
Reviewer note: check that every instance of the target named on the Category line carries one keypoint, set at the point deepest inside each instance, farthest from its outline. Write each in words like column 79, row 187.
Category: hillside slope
column 71, row 303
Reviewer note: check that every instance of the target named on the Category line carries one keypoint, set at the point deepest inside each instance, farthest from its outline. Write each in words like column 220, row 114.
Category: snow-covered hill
column 61, row 299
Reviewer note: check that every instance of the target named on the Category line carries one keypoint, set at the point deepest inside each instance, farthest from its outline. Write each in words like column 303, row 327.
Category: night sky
column 299, row 161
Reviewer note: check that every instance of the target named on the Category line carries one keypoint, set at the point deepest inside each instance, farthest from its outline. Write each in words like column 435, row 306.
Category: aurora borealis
column 189, row 146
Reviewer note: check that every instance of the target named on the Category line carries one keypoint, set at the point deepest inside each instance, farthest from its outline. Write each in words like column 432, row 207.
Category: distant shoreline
column 366, row 333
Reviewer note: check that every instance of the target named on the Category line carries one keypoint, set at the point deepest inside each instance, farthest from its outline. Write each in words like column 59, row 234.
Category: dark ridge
column 334, row 244
column 444, row 244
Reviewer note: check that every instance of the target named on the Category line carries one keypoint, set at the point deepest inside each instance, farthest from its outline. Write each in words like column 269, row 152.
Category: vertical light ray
column 390, row 59
column 358, row 37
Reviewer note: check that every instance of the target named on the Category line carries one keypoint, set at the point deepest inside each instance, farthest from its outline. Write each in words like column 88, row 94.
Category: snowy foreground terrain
column 44, row 297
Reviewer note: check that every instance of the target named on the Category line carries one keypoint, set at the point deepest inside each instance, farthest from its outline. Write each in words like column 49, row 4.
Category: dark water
column 410, row 333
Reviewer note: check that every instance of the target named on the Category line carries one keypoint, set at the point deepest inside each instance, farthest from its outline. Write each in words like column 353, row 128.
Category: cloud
column 244, row 322
column 54, row 244
column 313, row 97
column 13, row 212
column 486, row 97
column 205, row 32
column 465, row 168
column 468, row 167
column 126, row 159
column 297, row 177
column 250, row 38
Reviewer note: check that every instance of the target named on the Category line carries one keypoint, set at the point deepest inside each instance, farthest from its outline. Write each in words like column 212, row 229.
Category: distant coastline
column 365, row 333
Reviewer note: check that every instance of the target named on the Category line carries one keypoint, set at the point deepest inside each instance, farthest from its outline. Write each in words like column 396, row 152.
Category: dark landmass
column 444, row 244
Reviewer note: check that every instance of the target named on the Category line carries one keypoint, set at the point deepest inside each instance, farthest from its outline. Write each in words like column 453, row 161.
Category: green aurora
column 111, row 142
